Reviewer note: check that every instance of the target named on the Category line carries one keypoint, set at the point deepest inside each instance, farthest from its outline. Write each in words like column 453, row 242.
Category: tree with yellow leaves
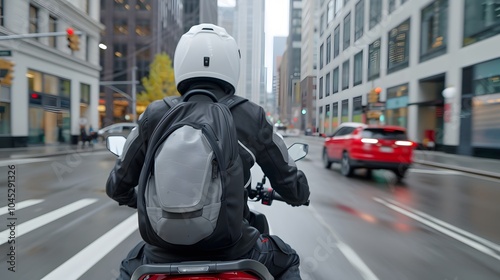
column 160, row 83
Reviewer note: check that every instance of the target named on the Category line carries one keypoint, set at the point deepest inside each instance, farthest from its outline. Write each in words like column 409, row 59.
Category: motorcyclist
column 258, row 144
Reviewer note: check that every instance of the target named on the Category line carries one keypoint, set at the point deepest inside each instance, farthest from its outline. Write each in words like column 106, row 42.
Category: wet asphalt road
column 436, row 224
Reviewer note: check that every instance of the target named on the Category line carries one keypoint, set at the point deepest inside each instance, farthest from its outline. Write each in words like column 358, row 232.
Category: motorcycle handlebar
column 266, row 196
column 277, row 196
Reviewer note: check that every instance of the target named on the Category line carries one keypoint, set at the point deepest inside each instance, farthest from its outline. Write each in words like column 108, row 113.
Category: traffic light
column 6, row 72
column 373, row 96
column 73, row 40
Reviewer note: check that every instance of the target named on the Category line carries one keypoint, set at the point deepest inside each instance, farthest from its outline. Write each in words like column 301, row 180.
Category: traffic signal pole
column 37, row 35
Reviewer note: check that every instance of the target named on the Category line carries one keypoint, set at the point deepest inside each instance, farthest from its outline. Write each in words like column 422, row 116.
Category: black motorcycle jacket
column 258, row 144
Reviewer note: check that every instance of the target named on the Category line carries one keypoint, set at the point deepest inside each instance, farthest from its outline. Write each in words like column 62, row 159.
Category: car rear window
column 381, row 133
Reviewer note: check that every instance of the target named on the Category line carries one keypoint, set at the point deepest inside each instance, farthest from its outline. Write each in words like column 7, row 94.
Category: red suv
column 357, row 145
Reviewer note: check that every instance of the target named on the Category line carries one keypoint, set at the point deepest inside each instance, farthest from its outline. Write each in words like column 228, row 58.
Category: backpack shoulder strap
column 171, row 101
column 232, row 101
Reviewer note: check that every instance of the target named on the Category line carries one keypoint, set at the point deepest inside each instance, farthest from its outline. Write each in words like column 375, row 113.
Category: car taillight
column 369, row 140
column 404, row 143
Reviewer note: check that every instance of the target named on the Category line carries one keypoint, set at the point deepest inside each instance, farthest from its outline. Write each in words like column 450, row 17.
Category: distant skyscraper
column 226, row 19
column 199, row 11
column 249, row 34
column 279, row 46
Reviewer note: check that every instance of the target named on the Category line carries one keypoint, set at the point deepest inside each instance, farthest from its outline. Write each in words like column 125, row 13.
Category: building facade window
column 345, row 74
column 336, row 80
column 375, row 12
column 143, row 28
column 33, row 20
column 321, row 55
column 345, row 2
column 327, row 85
column 321, row 119
column 374, row 60
column 121, row 5
column 329, row 12
column 482, row 20
column 5, row 119
column 399, row 47
column 120, row 27
column 52, row 28
column 143, row 5
column 357, row 109
column 434, row 24
column 392, row 6
column 335, row 115
column 347, row 31
column 328, row 49
column 322, row 24
column 336, row 41
column 358, row 69
column 1, row 13
column 321, row 88
column 359, row 20
column 338, row 6
column 345, row 111
column 396, row 112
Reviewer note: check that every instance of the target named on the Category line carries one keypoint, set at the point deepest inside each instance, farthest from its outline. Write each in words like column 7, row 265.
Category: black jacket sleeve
column 272, row 156
column 125, row 175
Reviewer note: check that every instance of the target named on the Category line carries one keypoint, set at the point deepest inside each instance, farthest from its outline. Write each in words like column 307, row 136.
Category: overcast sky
column 276, row 25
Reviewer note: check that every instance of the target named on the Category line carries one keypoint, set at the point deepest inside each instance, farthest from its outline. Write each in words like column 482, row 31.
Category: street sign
column 5, row 53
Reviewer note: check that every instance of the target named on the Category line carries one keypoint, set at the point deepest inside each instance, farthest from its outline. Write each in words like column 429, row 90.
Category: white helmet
column 207, row 51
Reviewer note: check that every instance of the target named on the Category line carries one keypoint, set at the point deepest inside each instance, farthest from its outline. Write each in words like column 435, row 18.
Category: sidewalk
column 47, row 151
column 474, row 165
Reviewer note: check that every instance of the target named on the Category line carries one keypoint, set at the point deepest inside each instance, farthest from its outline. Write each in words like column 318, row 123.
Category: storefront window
column 36, row 133
column 399, row 47
column 327, row 119
column 482, row 20
column 34, row 80
column 85, row 93
column 335, row 115
column 65, row 88
column 486, row 104
column 50, row 84
column 433, row 30
column 357, row 109
column 396, row 105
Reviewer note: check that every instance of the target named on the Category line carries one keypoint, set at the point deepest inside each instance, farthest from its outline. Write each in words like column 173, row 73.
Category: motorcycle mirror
column 115, row 144
column 298, row 151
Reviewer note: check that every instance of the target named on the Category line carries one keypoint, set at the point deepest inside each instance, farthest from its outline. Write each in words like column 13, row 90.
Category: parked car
column 123, row 129
column 357, row 145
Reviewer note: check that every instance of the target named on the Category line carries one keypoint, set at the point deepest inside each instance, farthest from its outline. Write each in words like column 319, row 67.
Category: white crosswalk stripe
column 44, row 219
column 20, row 205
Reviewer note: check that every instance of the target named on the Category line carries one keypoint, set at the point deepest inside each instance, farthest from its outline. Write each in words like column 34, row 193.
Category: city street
column 436, row 224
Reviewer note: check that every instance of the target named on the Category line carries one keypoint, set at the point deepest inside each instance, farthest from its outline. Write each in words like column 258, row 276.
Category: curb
column 459, row 168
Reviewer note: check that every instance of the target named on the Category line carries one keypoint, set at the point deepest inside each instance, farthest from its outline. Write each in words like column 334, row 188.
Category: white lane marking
column 348, row 252
column 476, row 245
column 20, row 205
column 451, row 227
column 430, row 171
column 45, row 219
column 75, row 267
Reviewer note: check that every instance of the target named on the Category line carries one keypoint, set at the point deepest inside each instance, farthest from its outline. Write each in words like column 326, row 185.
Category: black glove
column 302, row 189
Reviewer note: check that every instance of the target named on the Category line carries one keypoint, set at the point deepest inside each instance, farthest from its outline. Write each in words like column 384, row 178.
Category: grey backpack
column 191, row 187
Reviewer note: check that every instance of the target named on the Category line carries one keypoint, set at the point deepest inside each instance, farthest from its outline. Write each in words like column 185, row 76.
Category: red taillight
column 404, row 143
column 369, row 140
